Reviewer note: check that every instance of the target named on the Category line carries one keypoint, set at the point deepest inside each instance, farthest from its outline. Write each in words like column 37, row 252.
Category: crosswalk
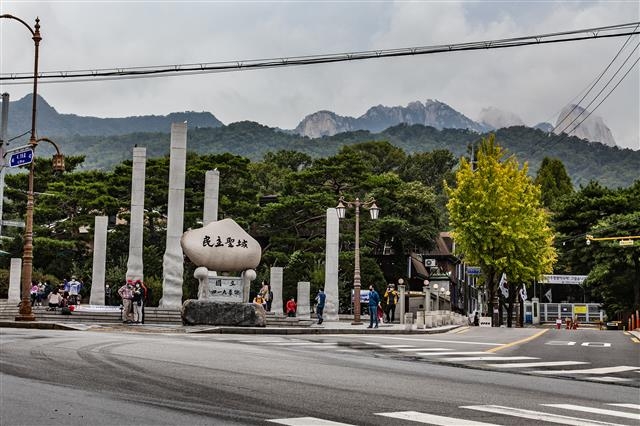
column 442, row 354
column 614, row 413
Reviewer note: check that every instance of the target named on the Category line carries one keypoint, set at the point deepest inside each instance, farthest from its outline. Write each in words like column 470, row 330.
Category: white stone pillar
column 15, row 273
column 99, row 260
column 247, row 276
column 211, row 194
column 332, row 306
column 276, row 288
column 134, row 264
column 303, row 302
column 172, row 262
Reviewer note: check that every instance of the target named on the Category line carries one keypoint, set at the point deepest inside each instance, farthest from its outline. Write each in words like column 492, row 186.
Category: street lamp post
column 342, row 212
column 25, row 312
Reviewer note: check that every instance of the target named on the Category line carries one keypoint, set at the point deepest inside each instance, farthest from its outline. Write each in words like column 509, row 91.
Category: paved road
column 80, row 378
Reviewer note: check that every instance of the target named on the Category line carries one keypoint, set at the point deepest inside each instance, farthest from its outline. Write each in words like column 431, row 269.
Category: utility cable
column 592, row 86
column 240, row 65
column 598, row 94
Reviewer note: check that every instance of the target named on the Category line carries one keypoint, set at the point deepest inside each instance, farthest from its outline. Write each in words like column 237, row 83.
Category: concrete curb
column 164, row 328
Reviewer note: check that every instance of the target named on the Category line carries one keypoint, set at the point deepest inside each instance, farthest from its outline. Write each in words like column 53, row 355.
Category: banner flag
column 523, row 293
column 548, row 295
column 503, row 285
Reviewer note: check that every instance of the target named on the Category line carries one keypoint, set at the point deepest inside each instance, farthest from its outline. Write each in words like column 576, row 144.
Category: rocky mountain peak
column 495, row 118
column 592, row 129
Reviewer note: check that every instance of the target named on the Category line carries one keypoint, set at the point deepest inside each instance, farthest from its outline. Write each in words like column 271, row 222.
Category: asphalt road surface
column 107, row 378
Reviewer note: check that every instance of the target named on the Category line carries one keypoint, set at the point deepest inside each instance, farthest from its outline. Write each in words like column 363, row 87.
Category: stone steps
column 8, row 312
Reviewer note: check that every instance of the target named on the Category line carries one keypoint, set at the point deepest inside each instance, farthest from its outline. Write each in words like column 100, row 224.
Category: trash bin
column 528, row 318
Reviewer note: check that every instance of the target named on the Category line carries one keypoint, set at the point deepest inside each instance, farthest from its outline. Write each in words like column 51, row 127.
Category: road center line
column 517, row 342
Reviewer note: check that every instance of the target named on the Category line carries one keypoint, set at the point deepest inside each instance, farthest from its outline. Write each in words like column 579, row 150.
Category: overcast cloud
column 534, row 82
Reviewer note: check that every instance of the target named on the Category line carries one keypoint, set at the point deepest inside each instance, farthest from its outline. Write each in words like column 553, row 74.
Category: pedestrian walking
column 391, row 300
column 374, row 300
column 320, row 299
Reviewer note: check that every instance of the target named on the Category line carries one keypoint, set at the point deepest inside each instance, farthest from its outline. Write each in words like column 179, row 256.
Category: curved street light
column 374, row 211
column 25, row 313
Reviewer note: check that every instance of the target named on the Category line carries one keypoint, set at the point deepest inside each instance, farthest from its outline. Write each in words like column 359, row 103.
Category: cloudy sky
column 534, row 82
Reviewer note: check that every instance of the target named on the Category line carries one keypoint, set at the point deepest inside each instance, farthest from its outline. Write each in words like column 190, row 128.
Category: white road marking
column 560, row 343
column 537, row 364
column 302, row 344
column 432, row 419
column 423, row 349
column 614, row 413
column 488, row 358
column 535, row 415
column 437, row 340
column 450, row 353
column 632, row 406
column 609, row 379
column 306, row 421
column 597, row 344
column 603, row 370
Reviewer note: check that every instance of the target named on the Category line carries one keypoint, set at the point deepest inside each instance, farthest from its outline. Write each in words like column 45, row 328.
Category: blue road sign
column 21, row 157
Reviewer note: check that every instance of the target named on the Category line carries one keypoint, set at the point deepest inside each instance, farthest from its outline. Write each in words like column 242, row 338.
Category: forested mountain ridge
column 51, row 123
column 585, row 161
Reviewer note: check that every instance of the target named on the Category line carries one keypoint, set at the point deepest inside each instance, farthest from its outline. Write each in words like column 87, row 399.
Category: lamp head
column 341, row 209
column 374, row 211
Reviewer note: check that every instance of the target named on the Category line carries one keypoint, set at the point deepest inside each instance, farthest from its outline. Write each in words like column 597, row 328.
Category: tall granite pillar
column 15, row 273
column 172, row 262
column 304, row 290
column 211, row 194
column 276, row 289
column 134, row 263
column 332, row 305
column 99, row 260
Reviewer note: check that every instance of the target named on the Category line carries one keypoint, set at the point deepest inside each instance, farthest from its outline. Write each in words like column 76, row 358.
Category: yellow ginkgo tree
column 498, row 222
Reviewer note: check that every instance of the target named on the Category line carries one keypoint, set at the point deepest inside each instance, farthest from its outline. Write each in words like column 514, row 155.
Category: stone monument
column 220, row 250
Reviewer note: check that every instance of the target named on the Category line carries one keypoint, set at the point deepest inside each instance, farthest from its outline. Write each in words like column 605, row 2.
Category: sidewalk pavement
column 327, row 327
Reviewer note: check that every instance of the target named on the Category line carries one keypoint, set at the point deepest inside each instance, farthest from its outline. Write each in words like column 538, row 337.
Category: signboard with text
column 225, row 289
column 563, row 279
column 21, row 158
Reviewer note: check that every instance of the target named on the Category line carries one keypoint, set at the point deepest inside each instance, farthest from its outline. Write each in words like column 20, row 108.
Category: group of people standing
column 134, row 297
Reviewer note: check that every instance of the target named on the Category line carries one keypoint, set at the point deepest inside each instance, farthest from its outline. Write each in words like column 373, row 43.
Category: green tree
column 553, row 180
column 613, row 270
column 498, row 222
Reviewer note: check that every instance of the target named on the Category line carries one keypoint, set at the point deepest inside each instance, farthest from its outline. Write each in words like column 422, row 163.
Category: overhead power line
column 592, row 87
column 240, row 65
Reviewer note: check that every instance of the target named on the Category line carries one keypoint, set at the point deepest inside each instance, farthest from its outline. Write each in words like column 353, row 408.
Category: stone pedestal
column 428, row 320
column 420, row 319
column 207, row 312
